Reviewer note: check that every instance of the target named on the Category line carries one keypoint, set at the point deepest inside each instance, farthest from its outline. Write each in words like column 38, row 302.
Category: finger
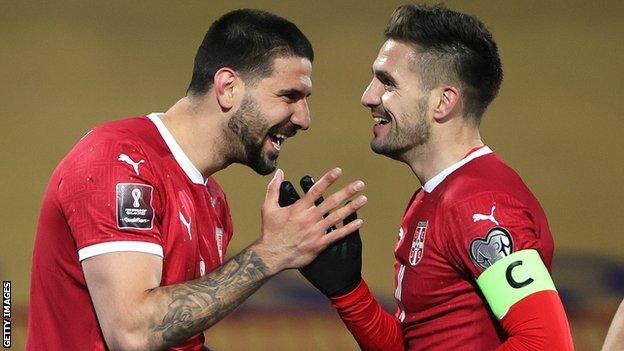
column 343, row 212
column 288, row 194
column 340, row 196
column 272, row 195
column 317, row 189
column 350, row 218
column 338, row 234
column 306, row 183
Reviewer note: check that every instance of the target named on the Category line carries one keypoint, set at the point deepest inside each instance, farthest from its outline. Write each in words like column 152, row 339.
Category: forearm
column 537, row 322
column 183, row 310
column 371, row 326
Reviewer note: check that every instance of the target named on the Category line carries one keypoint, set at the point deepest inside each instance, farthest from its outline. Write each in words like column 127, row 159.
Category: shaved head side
column 450, row 48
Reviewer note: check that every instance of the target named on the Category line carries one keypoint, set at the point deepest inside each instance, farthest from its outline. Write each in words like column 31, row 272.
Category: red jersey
column 458, row 224
column 126, row 186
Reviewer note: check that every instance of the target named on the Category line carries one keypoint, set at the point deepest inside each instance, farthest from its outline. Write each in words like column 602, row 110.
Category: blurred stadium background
column 69, row 65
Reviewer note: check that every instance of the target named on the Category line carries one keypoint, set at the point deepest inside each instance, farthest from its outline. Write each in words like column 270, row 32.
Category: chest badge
column 418, row 243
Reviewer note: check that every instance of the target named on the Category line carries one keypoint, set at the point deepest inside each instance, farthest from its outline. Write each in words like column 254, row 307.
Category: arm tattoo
column 196, row 305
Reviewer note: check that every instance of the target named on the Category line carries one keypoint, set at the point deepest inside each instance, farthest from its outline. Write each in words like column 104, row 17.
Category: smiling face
column 273, row 109
column 398, row 102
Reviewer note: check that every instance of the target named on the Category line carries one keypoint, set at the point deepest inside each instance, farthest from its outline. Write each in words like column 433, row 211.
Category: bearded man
column 133, row 231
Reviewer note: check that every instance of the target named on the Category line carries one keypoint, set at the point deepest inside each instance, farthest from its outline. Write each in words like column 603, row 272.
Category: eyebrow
column 294, row 92
column 384, row 76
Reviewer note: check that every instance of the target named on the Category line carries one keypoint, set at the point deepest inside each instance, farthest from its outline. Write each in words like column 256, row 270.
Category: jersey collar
column 187, row 166
column 435, row 181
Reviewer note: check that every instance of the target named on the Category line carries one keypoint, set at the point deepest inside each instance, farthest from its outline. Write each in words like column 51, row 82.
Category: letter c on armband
column 515, row 284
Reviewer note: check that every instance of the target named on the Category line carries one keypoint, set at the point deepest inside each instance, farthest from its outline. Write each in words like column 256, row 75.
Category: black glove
column 336, row 270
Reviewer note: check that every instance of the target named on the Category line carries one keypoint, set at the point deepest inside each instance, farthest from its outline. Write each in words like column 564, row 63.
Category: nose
column 301, row 115
column 372, row 94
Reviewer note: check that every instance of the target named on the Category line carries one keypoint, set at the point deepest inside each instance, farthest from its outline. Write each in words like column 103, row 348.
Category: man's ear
column 448, row 98
column 225, row 81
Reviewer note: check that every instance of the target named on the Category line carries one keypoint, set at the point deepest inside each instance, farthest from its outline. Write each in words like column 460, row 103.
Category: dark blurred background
column 66, row 66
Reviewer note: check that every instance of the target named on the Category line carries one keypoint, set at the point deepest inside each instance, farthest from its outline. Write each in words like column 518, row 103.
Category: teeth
column 379, row 120
column 279, row 138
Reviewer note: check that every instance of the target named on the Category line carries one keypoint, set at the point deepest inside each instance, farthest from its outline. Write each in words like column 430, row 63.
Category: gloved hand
column 336, row 271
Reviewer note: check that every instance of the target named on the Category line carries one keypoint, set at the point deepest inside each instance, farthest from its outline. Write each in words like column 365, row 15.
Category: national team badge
column 134, row 206
column 496, row 245
column 418, row 243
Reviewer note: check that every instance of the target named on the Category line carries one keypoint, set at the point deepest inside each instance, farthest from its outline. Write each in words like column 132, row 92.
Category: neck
column 441, row 151
column 199, row 132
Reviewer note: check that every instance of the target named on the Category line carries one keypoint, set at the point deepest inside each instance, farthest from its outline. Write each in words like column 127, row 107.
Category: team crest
column 496, row 245
column 418, row 243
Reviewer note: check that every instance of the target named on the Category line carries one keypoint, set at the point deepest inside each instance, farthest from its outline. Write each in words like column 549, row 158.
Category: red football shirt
column 126, row 186
column 468, row 216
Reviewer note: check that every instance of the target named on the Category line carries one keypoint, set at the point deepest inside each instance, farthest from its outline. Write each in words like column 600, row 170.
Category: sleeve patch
column 496, row 245
column 134, row 206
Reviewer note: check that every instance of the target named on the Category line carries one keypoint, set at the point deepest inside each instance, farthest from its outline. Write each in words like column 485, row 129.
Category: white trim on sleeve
column 116, row 246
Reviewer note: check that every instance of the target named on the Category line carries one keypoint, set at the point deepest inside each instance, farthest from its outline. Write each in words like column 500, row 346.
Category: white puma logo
column 482, row 217
column 125, row 158
column 187, row 224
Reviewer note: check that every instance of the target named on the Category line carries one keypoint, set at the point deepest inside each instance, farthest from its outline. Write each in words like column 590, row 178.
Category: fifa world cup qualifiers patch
column 513, row 278
column 496, row 245
column 134, row 206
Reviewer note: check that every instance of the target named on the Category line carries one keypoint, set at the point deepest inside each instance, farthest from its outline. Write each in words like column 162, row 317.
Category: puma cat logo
column 481, row 217
column 135, row 165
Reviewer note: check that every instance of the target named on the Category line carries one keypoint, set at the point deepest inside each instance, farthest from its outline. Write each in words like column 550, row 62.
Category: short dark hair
column 454, row 47
column 246, row 40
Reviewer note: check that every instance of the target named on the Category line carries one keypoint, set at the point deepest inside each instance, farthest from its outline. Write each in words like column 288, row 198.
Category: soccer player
column 474, row 249
column 615, row 336
column 133, row 231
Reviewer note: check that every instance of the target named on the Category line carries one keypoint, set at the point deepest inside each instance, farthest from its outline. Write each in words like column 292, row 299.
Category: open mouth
column 381, row 120
column 277, row 140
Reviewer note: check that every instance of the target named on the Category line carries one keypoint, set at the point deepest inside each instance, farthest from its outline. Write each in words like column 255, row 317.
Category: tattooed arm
column 135, row 313
column 197, row 305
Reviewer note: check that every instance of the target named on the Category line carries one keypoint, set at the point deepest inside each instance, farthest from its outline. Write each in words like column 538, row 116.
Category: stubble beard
column 251, row 127
column 403, row 138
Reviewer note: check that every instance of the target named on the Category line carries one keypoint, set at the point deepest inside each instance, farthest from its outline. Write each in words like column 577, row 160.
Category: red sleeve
column 490, row 226
column 109, row 197
column 537, row 322
column 371, row 326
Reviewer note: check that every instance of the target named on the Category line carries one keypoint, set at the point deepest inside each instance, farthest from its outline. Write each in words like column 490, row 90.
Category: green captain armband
column 513, row 278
